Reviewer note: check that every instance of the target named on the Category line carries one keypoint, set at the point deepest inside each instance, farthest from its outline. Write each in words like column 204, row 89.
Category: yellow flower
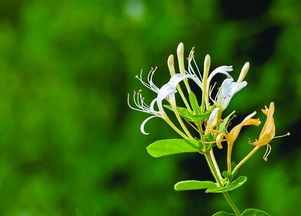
column 233, row 134
column 268, row 131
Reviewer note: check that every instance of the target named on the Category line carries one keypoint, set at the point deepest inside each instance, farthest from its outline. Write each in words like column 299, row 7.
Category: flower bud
column 171, row 65
column 243, row 72
column 180, row 54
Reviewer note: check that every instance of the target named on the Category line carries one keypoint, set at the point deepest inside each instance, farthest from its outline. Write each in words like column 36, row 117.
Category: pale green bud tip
column 207, row 61
column 170, row 63
column 180, row 49
column 170, row 60
column 180, row 54
column 243, row 72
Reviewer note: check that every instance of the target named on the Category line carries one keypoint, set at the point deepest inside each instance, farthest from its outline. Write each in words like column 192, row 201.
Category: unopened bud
column 171, row 65
column 207, row 63
column 180, row 55
column 243, row 72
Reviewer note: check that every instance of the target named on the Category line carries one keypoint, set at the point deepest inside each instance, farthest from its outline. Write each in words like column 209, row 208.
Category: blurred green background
column 69, row 145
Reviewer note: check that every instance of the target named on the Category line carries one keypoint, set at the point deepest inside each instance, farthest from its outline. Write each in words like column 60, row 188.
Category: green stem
column 176, row 112
column 220, row 183
column 169, row 122
column 245, row 159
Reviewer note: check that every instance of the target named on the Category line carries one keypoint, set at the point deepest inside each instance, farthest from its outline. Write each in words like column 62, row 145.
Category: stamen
column 211, row 89
column 197, row 68
column 284, row 135
column 267, row 152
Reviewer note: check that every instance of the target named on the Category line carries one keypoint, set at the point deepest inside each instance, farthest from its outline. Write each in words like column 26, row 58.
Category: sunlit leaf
column 189, row 115
column 232, row 186
column 172, row 146
column 192, row 185
column 222, row 213
column 194, row 102
column 254, row 212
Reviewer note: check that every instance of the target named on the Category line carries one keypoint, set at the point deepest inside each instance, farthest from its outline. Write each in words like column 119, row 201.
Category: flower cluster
column 203, row 111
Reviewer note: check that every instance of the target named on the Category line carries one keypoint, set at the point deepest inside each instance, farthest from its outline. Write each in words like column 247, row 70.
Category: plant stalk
column 220, row 183
column 245, row 159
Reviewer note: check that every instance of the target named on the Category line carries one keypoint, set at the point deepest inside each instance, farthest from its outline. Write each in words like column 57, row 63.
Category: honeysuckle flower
column 233, row 134
column 268, row 130
column 227, row 90
column 198, row 77
column 141, row 106
column 167, row 91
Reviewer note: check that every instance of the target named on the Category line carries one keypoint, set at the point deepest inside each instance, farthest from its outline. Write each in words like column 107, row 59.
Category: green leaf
column 232, row 186
column 224, row 123
column 194, row 102
column 222, row 213
column 192, row 185
column 189, row 116
column 254, row 212
column 186, row 114
column 227, row 175
column 172, row 146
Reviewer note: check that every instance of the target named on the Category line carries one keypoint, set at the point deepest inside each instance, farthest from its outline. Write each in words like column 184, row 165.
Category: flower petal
column 268, row 131
column 232, row 136
column 170, row 88
column 219, row 139
column 227, row 90
column 143, row 125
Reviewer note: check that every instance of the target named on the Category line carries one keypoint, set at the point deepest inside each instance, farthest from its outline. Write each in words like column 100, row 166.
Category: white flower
column 167, row 92
column 143, row 107
column 198, row 79
column 227, row 90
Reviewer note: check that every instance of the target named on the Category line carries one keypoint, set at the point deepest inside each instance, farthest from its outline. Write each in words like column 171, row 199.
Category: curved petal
column 227, row 90
column 232, row 136
column 268, row 131
column 143, row 124
column 170, row 88
column 219, row 139
column 221, row 70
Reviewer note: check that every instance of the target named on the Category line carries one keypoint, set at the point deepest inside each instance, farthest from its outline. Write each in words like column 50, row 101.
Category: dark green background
column 69, row 145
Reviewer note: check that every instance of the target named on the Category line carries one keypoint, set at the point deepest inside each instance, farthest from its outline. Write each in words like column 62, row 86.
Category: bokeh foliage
column 69, row 145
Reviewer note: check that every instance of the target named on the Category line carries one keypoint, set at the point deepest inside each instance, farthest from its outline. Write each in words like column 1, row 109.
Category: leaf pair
column 247, row 212
column 210, row 186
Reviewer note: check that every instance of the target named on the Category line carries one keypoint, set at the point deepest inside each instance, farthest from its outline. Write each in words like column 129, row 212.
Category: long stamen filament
column 267, row 152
